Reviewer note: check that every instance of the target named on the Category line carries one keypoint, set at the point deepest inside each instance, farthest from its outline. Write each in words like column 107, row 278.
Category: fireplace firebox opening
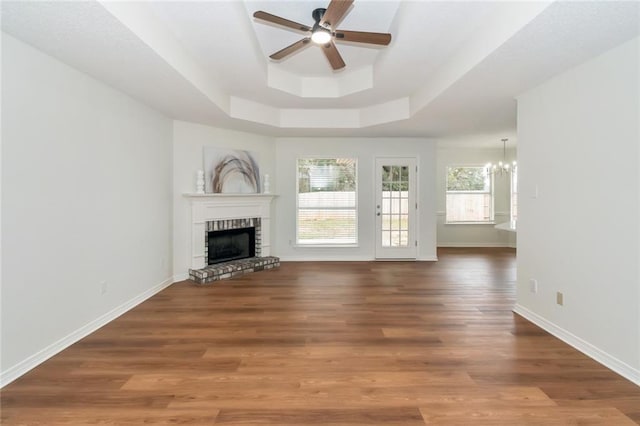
column 231, row 244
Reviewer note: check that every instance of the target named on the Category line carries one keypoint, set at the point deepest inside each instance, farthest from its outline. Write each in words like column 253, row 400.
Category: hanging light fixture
column 502, row 167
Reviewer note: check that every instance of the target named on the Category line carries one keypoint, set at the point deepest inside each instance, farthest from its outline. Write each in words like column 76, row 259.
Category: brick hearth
column 234, row 268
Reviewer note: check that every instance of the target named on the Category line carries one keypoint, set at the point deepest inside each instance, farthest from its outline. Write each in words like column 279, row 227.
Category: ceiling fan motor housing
column 317, row 14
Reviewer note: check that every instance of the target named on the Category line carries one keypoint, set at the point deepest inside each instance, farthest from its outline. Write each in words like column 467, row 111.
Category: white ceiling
column 452, row 68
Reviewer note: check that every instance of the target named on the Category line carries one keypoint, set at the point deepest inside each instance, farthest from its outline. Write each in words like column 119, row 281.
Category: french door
column 395, row 208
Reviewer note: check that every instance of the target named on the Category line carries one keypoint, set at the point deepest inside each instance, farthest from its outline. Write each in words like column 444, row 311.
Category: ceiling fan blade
column 332, row 54
column 291, row 48
column 281, row 21
column 363, row 37
column 335, row 12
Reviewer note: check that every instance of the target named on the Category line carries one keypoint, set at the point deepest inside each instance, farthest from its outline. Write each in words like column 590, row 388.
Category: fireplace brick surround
column 211, row 212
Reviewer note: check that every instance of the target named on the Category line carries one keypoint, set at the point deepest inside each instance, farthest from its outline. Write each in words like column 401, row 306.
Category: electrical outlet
column 103, row 287
column 533, row 286
column 560, row 298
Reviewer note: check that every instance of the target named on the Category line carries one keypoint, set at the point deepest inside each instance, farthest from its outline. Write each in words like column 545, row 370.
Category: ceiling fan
column 324, row 32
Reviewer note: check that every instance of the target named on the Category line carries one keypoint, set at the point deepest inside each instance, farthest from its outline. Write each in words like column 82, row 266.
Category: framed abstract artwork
column 230, row 171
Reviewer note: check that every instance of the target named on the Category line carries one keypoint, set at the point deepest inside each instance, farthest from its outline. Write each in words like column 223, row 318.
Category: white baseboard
column 326, row 259
column 353, row 259
column 38, row 358
column 609, row 361
column 433, row 258
column 471, row 245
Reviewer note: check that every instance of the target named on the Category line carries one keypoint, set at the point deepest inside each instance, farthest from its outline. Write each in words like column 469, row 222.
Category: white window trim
column 297, row 243
column 492, row 220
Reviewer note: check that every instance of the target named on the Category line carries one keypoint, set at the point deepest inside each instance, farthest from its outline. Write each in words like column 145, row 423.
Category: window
column 469, row 195
column 514, row 193
column 395, row 206
column 327, row 207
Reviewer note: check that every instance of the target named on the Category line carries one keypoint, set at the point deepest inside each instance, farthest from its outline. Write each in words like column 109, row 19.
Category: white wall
column 86, row 197
column 188, row 142
column 475, row 235
column 578, row 149
column 288, row 150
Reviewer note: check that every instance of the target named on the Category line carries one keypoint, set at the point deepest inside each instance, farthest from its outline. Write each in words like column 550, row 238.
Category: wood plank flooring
column 348, row 343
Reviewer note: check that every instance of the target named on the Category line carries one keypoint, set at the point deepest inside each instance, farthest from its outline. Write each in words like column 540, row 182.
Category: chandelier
column 502, row 167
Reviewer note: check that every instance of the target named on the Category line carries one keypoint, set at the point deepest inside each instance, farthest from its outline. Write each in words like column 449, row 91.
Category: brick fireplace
column 213, row 212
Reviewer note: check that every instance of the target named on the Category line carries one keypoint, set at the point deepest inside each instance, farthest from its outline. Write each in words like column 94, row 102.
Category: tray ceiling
column 452, row 68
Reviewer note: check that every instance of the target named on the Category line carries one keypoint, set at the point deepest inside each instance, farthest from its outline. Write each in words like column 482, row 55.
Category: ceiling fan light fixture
column 320, row 35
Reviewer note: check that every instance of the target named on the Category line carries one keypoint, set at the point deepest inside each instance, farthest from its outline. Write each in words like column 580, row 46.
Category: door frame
column 410, row 252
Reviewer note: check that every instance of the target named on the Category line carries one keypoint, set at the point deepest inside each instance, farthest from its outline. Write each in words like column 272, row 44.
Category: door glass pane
column 386, row 239
column 395, row 206
column 386, row 222
column 395, row 238
column 404, row 237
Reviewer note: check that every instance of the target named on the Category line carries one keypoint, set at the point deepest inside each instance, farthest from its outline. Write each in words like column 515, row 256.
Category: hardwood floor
column 329, row 343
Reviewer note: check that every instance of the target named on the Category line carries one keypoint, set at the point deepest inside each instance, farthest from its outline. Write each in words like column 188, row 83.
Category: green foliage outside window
column 467, row 179
column 326, row 174
column 395, row 178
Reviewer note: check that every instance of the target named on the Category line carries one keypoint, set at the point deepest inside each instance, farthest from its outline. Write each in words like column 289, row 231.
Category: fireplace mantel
column 211, row 207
